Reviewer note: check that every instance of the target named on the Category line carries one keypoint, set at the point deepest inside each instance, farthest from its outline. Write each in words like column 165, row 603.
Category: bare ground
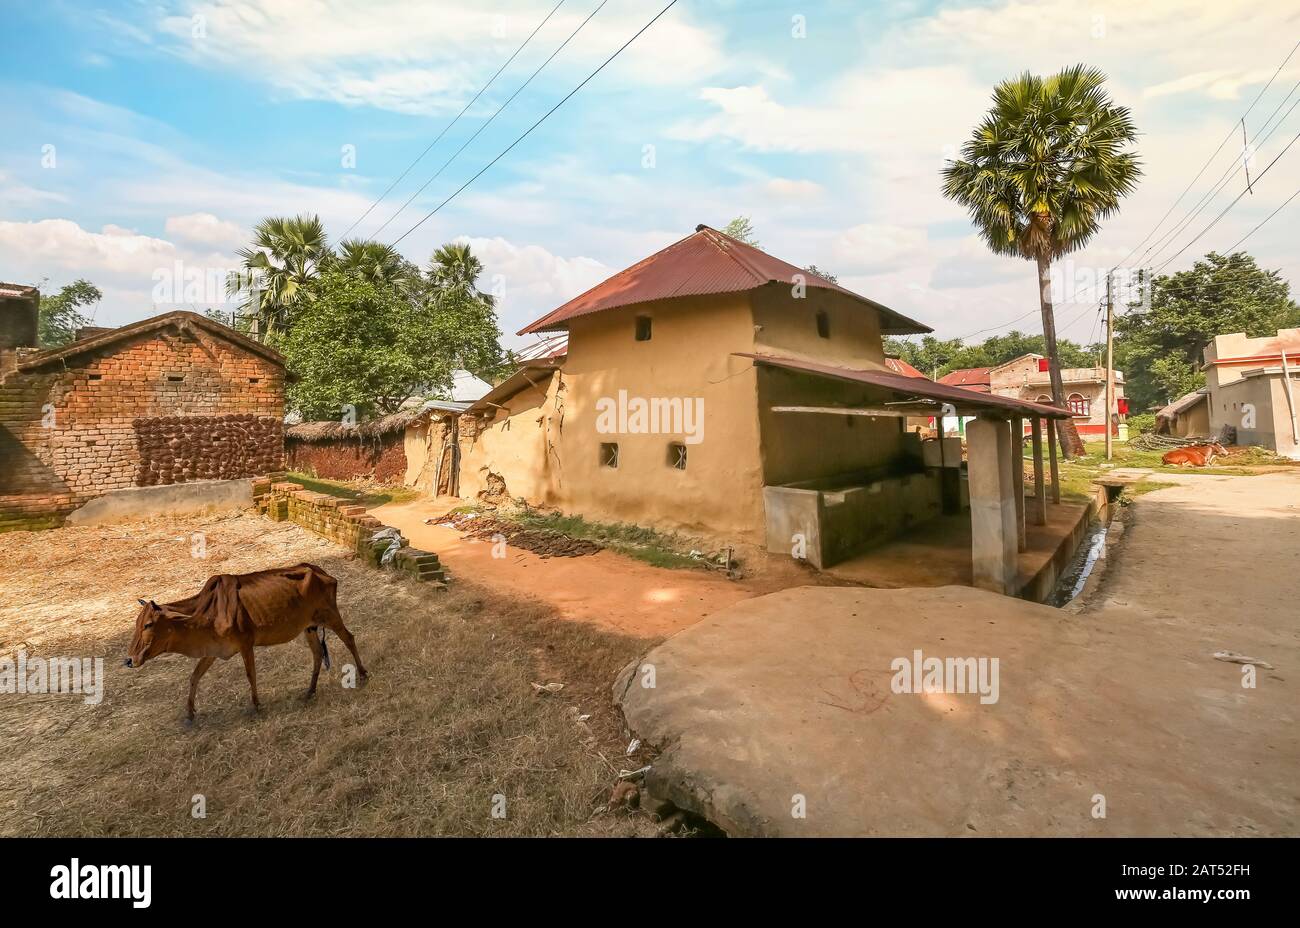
column 448, row 721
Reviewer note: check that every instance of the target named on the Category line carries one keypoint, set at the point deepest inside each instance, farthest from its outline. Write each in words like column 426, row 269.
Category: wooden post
column 1051, row 453
column 1040, row 494
column 1018, row 477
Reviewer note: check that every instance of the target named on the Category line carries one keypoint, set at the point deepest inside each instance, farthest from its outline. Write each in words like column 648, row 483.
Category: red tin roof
column 970, row 378
column 899, row 366
column 965, row 400
column 704, row 262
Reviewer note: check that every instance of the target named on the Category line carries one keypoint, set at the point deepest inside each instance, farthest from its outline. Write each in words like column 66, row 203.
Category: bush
column 1141, row 422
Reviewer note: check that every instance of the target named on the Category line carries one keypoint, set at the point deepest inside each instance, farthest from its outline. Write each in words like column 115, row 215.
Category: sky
column 143, row 140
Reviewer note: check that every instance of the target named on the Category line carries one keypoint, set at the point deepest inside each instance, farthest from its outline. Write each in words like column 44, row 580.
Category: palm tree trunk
column 1049, row 340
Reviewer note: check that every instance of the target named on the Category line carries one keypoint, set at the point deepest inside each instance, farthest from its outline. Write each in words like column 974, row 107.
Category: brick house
column 167, row 400
column 1026, row 378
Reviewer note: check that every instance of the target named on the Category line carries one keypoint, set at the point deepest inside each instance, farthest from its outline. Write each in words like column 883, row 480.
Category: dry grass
column 447, row 721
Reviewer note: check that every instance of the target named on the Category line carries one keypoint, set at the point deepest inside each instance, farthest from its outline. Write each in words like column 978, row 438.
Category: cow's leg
column 317, row 653
column 335, row 623
column 246, row 649
column 199, row 670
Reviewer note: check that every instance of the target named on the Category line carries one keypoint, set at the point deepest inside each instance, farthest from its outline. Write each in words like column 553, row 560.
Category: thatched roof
column 1182, row 404
column 375, row 428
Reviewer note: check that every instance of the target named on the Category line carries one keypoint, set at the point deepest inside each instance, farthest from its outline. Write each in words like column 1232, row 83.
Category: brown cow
column 1193, row 455
column 235, row 613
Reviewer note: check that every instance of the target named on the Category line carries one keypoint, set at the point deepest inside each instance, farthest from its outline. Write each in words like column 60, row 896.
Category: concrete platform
column 938, row 553
column 785, row 701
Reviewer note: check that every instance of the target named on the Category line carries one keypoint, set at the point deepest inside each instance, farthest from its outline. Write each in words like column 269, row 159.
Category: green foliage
column 742, row 230
column 1046, row 164
column 286, row 256
column 372, row 346
column 1141, row 422
column 58, row 317
column 814, row 269
column 1159, row 349
column 931, row 355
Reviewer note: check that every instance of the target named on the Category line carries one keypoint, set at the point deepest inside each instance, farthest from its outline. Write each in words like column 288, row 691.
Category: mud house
column 716, row 389
column 390, row 449
column 170, row 400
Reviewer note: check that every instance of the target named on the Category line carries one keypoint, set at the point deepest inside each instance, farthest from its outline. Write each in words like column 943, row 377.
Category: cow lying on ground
column 235, row 613
column 1193, row 455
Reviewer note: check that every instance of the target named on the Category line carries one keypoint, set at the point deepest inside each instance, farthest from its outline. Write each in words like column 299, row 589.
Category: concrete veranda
column 789, row 695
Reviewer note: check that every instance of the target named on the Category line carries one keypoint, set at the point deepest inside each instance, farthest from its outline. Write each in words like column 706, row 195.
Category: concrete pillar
column 992, row 505
column 1051, row 452
column 1017, row 464
column 1040, row 491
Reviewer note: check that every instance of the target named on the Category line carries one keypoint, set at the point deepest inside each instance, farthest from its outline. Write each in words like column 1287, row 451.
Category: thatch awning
column 399, row 421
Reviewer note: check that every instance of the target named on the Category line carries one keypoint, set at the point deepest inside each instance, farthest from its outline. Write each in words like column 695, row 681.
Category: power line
column 1210, row 160
column 543, row 119
column 1260, row 138
column 1216, row 219
column 447, row 128
column 491, row 118
column 1266, row 219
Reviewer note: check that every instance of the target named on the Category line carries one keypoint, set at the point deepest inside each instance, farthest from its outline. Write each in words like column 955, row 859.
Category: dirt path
column 605, row 589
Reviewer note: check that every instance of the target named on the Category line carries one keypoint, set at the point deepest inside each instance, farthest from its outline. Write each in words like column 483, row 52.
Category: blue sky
column 141, row 134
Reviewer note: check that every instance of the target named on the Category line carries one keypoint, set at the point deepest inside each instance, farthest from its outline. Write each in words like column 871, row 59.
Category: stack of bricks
column 344, row 524
column 176, row 449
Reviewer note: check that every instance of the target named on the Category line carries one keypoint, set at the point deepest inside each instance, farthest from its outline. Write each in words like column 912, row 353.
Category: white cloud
column 421, row 57
column 530, row 280
column 205, row 229
column 786, row 188
column 871, row 248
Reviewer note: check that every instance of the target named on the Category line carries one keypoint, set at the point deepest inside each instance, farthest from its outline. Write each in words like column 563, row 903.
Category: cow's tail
column 324, row 648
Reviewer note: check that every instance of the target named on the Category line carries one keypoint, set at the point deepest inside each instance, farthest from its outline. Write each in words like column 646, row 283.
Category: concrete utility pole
column 1110, row 364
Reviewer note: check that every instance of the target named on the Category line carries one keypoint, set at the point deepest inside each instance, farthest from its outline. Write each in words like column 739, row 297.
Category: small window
column 823, row 324
column 643, row 328
column 175, row 378
column 1078, row 404
column 96, row 377
column 609, row 454
column 677, row 455
column 254, row 379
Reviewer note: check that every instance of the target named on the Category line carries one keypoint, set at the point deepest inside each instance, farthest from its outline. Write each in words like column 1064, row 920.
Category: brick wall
column 344, row 524
column 163, row 406
column 382, row 458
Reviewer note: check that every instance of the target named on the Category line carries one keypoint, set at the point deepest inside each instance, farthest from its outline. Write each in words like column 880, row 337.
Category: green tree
column 373, row 346
column 814, row 269
column 286, row 255
column 742, row 230
column 59, row 316
column 455, row 268
column 1159, row 349
column 1045, row 166
column 373, row 261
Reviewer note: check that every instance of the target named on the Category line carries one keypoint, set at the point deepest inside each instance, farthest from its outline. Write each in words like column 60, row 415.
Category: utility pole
column 1110, row 363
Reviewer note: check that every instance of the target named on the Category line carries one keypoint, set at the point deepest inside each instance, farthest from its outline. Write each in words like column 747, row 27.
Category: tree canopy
column 1159, row 348
column 59, row 316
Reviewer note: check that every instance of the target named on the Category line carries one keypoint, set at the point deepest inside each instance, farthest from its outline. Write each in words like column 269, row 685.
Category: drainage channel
column 1091, row 550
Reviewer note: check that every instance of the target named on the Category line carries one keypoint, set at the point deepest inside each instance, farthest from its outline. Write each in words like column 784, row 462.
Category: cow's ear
column 154, row 604
column 142, row 602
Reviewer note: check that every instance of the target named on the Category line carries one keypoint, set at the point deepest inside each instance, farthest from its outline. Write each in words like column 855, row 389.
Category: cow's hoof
column 189, row 722
column 309, row 696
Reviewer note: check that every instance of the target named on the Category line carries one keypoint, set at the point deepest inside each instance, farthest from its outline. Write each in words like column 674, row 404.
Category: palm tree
column 453, row 267
column 286, row 254
column 1041, row 171
column 374, row 261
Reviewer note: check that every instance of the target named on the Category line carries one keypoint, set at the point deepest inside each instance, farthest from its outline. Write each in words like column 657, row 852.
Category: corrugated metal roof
column 704, row 262
column 968, row 377
column 1182, row 404
column 912, row 386
column 899, row 366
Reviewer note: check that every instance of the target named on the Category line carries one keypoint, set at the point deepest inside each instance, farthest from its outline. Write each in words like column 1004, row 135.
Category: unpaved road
column 777, row 716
